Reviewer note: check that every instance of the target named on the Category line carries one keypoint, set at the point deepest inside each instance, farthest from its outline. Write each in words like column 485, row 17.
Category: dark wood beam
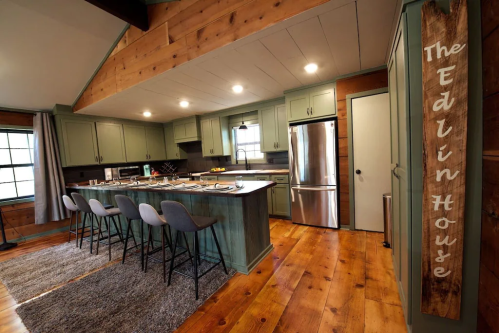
column 131, row 11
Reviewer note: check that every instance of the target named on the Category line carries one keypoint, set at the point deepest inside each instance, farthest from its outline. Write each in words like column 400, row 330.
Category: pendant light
column 243, row 127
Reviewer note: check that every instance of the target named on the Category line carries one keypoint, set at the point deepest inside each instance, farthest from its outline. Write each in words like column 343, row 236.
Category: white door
column 371, row 156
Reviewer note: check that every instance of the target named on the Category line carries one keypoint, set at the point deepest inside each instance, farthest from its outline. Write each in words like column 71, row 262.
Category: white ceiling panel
column 375, row 24
column 340, row 28
column 310, row 38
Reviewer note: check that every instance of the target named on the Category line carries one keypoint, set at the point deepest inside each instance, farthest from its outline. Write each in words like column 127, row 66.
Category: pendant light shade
column 243, row 127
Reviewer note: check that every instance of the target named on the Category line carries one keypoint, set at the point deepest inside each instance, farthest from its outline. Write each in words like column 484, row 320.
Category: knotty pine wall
column 19, row 219
column 488, row 298
column 344, row 87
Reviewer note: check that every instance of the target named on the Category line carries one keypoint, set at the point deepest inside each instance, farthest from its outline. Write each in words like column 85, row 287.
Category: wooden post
column 445, row 112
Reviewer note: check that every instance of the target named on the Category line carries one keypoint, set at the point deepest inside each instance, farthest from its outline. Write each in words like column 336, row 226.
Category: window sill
column 16, row 201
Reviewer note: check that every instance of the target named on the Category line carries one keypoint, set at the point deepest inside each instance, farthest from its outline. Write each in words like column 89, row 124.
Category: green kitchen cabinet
column 111, row 142
column 215, row 137
column 269, row 193
column 173, row 150
column 79, row 142
column 155, row 142
column 281, row 203
column 273, row 129
column 186, row 130
column 312, row 103
column 135, row 143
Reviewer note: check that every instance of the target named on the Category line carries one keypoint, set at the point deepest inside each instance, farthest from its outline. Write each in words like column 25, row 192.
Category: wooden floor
column 315, row 280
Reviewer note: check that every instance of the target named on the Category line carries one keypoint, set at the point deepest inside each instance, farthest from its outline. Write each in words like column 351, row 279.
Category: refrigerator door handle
column 291, row 159
column 314, row 188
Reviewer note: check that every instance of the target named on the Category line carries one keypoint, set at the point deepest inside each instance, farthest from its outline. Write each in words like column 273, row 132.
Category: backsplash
column 195, row 163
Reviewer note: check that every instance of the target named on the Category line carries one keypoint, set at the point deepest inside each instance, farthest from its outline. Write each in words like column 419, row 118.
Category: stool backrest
column 127, row 207
column 177, row 216
column 97, row 208
column 81, row 203
column 69, row 203
column 150, row 215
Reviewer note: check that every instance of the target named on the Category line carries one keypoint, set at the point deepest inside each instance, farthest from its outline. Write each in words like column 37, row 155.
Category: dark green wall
column 422, row 322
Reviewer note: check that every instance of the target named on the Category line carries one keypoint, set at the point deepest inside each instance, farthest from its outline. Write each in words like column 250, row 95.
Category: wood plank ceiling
column 341, row 37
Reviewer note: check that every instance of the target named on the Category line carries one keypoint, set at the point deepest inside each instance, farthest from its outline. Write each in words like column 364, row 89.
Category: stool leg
column 83, row 228
column 142, row 243
column 196, row 263
column 147, row 250
column 99, row 223
column 92, row 233
column 125, row 248
column 187, row 245
column 70, row 225
column 133, row 234
column 77, row 228
column 108, row 236
column 218, row 248
column 197, row 249
column 167, row 239
column 173, row 257
column 163, row 250
column 118, row 231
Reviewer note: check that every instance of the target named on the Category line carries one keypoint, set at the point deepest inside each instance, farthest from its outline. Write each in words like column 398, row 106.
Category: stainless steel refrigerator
column 313, row 163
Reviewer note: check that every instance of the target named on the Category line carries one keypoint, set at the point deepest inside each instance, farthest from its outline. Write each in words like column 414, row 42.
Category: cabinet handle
column 147, row 157
column 274, row 146
column 101, row 158
column 96, row 159
column 308, row 114
column 311, row 112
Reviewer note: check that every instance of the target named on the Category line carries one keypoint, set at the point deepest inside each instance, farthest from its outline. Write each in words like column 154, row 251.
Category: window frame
column 26, row 131
column 233, row 141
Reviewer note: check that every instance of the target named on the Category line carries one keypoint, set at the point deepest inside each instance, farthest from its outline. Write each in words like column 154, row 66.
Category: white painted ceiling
column 49, row 49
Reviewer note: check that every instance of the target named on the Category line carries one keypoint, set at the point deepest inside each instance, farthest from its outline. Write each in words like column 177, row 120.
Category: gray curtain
column 49, row 180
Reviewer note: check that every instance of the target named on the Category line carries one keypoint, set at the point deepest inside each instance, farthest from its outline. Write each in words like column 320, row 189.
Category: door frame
column 351, row 172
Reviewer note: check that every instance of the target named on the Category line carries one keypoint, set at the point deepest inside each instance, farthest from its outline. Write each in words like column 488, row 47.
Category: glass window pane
column 3, row 140
column 7, row 190
column 18, row 140
column 4, row 157
column 20, row 156
column 6, row 175
column 25, row 188
column 31, row 140
column 23, row 173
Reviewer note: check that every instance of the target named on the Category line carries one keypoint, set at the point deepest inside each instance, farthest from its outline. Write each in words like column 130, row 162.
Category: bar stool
column 83, row 206
column 108, row 215
column 179, row 218
column 70, row 205
column 129, row 209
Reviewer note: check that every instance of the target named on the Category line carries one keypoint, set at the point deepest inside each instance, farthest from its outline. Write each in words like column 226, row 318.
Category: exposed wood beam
column 131, row 11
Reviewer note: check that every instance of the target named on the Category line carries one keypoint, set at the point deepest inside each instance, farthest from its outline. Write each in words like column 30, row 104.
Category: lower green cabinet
column 111, row 143
column 79, row 142
column 281, row 204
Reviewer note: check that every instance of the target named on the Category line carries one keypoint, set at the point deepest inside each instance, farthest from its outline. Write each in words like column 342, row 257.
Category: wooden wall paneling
column 341, row 108
column 163, row 12
column 491, row 125
column 359, row 83
column 342, row 129
column 488, row 299
column 344, row 175
column 490, row 16
column 345, row 208
column 34, row 229
column 343, row 147
column 16, row 118
column 489, row 63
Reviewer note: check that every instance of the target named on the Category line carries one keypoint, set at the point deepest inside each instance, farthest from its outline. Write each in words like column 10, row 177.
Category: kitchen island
column 243, row 221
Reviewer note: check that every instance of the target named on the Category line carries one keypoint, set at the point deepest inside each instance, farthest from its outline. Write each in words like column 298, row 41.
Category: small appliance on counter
column 147, row 170
column 122, row 172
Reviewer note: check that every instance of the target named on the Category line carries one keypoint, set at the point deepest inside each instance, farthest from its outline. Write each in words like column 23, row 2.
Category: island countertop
column 249, row 188
column 247, row 172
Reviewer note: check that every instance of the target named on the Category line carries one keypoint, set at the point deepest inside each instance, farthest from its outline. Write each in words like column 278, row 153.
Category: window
column 249, row 140
column 16, row 164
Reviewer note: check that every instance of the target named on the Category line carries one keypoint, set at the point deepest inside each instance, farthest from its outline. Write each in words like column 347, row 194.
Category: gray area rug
column 122, row 298
column 33, row 274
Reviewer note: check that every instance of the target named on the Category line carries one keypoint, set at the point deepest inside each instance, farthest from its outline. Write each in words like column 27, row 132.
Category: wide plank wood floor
column 315, row 280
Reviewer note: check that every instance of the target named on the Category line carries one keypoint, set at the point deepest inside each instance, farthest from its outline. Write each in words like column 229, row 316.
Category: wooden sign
column 445, row 113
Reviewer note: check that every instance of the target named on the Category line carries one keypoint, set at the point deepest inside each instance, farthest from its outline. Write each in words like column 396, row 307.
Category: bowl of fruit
column 217, row 170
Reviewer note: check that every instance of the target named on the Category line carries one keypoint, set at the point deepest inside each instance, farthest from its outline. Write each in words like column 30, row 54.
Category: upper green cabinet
column 173, row 150
column 144, row 143
column 186, row 130
column 215, row 137
column 79, row 142
column 111, row 142
column 155, row 139
column 317, row 102
column 273, row 129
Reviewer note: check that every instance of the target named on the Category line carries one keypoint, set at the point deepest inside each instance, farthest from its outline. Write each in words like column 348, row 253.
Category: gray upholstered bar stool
column 179, row 218
column 129, row 209
column 108, row 216
column 84, row 208
column 70, row 205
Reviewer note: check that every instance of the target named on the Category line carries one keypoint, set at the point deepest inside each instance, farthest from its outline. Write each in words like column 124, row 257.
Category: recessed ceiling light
column 147, row 114
column 184, row 104
column 237, row 89
column 311, row 68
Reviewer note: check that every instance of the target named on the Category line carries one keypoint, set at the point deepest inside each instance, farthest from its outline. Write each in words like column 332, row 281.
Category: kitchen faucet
column 245, row 159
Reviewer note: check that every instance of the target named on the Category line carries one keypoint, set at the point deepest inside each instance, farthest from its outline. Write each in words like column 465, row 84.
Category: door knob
column 357, row 171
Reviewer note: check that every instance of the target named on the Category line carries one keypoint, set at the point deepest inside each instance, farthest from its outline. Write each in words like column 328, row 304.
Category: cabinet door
column 191, row 130
column 135, row 143
column 207, row 137
column 111, row 143
column 298, row 107
column 171, row 146
column 280, row 198
column 155, row 143
column 218, row 145
column 80, row 142
column 268, row 135
column 179, row 131
column 322, row 103
column 281, row 128
column 269, row 193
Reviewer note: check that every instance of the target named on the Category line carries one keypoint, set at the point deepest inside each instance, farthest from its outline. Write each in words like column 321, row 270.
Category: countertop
column 249, row 188
column 247, row 172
